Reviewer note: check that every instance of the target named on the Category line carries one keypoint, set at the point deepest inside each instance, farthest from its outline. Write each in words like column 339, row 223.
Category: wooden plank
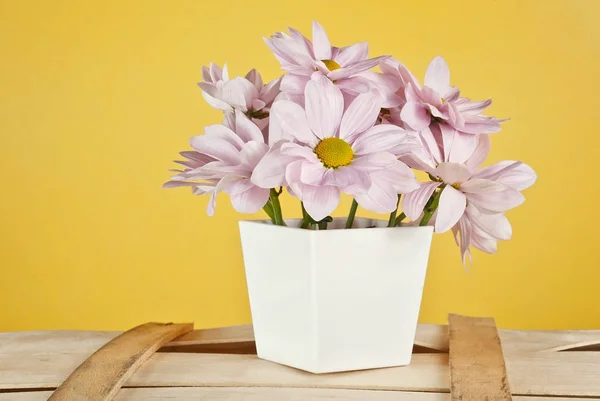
column 231, row 334
column 264, row 394
column 101, row 376
column 434, row 337
column 477, row 369
column 558, row 374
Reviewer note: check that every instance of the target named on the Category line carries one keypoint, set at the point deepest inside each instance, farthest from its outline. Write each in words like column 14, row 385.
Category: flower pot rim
column 337, row 225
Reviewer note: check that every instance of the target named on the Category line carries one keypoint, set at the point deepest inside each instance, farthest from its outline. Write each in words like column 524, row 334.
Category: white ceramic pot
column 335, row 300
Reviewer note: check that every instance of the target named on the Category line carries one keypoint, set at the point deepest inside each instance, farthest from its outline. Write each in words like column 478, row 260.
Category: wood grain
column 434, row 337
column 44, row 359
column 558, row 374
column 264, row 394
column 477, row 368
column 100, row 376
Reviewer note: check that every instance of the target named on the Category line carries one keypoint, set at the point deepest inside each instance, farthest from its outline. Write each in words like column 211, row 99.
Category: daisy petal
column 293, row 83
column 430, row 146
column 451, row 208
column 402, row 177
column 253, row 152
column 380, row 138
column 221, row 132
column 320, row 201
column 487, row 245
column 437, row 76
column 177, row 184
column 381, row 197
column 321, row 45
column 452, row 173
column 481, row 152
column 352, row 54
column 206, row 74
column 354, row 85
column 374, row 161
column 239, row 93
column 246, row 129
column 416, row 115
column 466, row 231
column 238, row 186
column 496, row 226
column 516, row 175
column 360, row 116
column 482, row 186
column 313, row 173
column 497, row 202
column 356, row 68
column 217, row 148
column 270, row 171
column 254, row 77
column 271, row 90
column 216, row 73
column 324, row 107
column 473, row 107
column 213, row 101
column 251, row 200
column 491, row 196
column 288, row 122
column 414, row 202
column 463, row 145
column 292, row 177
column 294, row 149
column 349, row 179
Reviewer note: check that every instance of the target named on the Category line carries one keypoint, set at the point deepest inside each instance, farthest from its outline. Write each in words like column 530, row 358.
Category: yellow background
column 97, row 98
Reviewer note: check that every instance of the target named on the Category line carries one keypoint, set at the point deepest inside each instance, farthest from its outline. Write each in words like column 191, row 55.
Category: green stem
column 430, row 209
column 269, row 210
column 426, row 217
column 305, row 217
column 400, row 218
column 277, row 216
column 392, row 219
column 351, row 214
column 322, row 225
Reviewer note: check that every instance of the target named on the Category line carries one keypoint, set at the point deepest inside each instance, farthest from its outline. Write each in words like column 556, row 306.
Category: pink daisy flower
column 248, row 94
column 452, row 161
column 481, row 228
column 322, row 150
column 439, row 102
column 223, row 160
column 301, row 58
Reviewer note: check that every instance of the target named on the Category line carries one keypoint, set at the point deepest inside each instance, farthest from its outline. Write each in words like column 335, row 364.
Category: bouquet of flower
column 332, row 125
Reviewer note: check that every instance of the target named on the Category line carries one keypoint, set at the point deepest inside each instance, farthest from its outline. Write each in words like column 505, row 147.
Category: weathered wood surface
column 264, row 394
column 44, row 359
column 102, row 375
column 561, row 373
column 434, row 337
column 477, row 369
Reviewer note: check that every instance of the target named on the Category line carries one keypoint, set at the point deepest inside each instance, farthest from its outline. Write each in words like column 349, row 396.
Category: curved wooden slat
column 100, row 377
column 477, row 368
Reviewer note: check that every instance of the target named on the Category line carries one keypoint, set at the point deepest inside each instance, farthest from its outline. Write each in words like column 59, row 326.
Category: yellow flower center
column 331, row 65
column 456, row 186
column 334, row 152
column 443, row 100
